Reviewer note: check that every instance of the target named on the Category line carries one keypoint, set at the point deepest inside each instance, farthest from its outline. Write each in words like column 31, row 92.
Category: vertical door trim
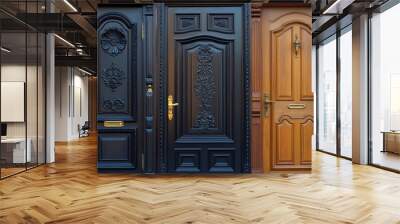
column 162, row 127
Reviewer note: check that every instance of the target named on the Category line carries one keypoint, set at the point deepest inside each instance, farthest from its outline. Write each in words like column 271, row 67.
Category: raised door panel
column 204, row 105
column 205, row 78
column 114, row 150
column 306, row 132
column 282, row 64
column 284, row 150
column 117, row 69
column 306, row 92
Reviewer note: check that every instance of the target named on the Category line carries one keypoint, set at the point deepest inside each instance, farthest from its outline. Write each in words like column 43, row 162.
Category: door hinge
column 142, row 160
column 142, row 31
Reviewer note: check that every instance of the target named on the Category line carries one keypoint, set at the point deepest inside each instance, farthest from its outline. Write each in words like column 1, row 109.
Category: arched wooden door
column 285, row 95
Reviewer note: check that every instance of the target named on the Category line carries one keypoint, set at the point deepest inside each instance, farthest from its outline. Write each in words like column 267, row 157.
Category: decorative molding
column 113, row 41
column 256, row 10
column 185, row 23
column 247, row 89
column 114, row 105
column 222, row 23
column 163, row 91
column 109, row 17
column 113, row 77
column 205, row 89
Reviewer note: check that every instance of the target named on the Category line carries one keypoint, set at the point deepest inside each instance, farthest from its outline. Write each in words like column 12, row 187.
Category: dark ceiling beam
column 78, row 61
column 89, row 30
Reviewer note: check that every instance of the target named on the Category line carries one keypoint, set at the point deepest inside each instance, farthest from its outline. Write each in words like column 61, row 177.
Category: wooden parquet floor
column 71, row 191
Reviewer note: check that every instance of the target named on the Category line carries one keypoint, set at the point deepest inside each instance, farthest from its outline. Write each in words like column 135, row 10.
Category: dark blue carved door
column 119, row 88
column 206, row 95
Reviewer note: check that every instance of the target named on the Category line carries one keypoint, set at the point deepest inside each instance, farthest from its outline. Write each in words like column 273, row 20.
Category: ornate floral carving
column 205, row 88
column 113, row 77
column 113, row 105
column 113, row 41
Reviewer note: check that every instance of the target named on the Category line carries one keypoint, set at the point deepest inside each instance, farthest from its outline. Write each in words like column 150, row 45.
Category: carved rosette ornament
column 113, row 41
column 205, row 88
column 113, row 77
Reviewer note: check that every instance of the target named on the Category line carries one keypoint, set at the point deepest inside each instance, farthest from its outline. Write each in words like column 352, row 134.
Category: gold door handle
column 297, row 45
column 171, row 106
column 267, row 102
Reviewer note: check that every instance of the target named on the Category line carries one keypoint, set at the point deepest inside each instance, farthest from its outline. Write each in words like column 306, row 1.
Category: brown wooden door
column 291, row 101
column 282, row 96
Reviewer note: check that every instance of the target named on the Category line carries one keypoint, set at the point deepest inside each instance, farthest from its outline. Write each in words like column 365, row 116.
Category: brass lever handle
column 297, row 45
column 267, row 101
column 171, row 106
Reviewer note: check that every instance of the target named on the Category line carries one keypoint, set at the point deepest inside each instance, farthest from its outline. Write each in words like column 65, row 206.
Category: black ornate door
column 173, row 88
column 207, row 79
column 119, row 89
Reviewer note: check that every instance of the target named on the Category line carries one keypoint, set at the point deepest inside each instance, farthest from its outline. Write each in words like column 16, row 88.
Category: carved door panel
column 206, row 89
column 119, row 88
column 292, row 97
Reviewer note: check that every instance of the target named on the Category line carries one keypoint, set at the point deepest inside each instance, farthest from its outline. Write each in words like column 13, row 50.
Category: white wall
column 17, row 73
column 71, row 102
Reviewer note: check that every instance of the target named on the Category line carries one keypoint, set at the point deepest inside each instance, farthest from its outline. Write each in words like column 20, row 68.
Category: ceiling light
column 5, row 50
column 65, row 41
column 70, row 5
column 84, row 71
column 337, row 7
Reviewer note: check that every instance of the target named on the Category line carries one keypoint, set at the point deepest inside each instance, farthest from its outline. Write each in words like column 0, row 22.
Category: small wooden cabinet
column 391, row 142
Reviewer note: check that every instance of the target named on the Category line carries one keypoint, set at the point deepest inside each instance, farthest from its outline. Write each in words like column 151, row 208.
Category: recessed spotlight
column 70, row 5
column 64, row 40
column 85, row 72
column 5, row 50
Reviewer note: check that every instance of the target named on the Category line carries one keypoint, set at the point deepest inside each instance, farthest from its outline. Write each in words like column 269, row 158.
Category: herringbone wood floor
column 71, row 191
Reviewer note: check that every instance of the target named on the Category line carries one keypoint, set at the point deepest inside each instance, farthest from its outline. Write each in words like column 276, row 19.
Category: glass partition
column 346, row 94
column 326, row 104
column 22, row 78
column 385, row 89
column 14, row 145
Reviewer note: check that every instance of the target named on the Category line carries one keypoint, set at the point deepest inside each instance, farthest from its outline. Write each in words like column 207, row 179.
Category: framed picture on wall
column 12, row 101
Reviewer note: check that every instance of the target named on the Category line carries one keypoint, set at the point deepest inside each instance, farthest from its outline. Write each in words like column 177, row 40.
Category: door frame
column 162, row 83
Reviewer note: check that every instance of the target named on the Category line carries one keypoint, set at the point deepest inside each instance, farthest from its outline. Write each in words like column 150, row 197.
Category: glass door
column 385, row 89
column 345, row 92
column 326, row 99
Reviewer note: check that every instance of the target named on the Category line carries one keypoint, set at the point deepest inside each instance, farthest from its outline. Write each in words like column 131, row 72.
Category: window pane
column 346, row 94
column 385, row 84
column 327, row 97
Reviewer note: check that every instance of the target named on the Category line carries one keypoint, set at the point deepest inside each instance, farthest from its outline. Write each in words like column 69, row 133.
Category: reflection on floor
column 387, row 159
column 71, row 191
column 11, row 169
